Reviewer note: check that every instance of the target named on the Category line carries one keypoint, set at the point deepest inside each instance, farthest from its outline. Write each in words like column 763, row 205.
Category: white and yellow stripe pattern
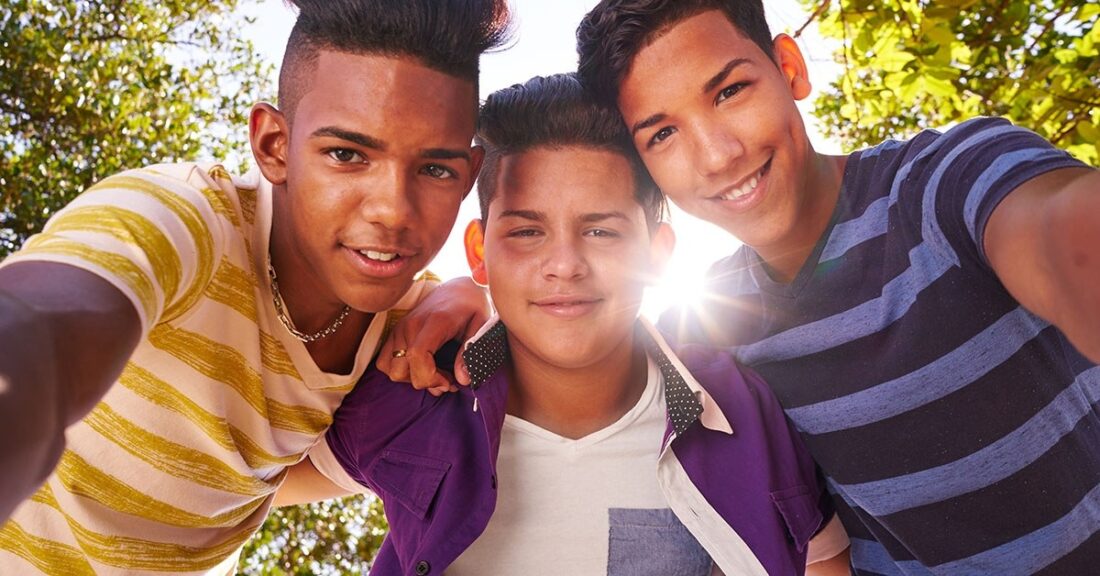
column 176, row 467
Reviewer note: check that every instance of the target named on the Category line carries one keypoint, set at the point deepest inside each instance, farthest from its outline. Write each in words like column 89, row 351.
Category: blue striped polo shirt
column 958, row 432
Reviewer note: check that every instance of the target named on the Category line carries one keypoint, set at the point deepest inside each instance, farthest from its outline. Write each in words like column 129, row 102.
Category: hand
column 455, row 310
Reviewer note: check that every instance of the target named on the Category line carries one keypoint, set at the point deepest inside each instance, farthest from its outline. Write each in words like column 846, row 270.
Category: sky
column 544, row 43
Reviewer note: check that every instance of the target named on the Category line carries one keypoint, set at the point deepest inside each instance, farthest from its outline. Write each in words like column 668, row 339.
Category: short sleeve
column 326, row 462
column 155, row 237
column 968, row 171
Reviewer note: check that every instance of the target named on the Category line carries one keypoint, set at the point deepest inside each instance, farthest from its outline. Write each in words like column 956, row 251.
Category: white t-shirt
column 586, row 506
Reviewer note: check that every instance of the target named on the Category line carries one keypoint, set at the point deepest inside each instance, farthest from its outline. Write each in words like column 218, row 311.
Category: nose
column 715, row 148
column 564, row 260
column 390, row 199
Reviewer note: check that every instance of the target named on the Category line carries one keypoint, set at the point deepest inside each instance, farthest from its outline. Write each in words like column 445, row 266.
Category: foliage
column 910, row 64
column 90, row 88
column 327, row 538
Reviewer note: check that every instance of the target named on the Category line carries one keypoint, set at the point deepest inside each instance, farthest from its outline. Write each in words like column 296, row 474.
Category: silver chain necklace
column 280, row 311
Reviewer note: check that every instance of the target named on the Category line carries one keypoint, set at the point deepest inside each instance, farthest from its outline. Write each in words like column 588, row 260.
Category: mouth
column 746, row 186
column 381, row 261
column 379, row 256
column 566, row 306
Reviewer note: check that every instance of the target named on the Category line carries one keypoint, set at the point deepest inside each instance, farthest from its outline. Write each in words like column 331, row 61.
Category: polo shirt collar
column 685, row 399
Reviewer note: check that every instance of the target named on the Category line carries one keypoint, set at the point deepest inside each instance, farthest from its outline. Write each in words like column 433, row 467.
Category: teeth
column 745, row 188
column 380, row 256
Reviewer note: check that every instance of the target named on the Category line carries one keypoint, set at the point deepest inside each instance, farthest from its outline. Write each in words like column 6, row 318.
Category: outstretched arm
column 1043, row 242
column 65, row 336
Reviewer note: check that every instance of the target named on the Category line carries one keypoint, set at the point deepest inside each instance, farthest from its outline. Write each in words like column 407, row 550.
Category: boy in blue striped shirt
column 926, row 311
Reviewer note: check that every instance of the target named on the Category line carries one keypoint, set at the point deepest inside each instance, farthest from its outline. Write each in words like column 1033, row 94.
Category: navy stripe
column 847, row 235
column 898, row 295
column 1039, row 549
column 949, row 373
column 999, row 460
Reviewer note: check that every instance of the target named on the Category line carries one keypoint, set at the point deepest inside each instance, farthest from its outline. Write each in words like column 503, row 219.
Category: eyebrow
column 720, row 77
column 539, row 216
column 375, row 144
column 524, row 214
column 710, row 84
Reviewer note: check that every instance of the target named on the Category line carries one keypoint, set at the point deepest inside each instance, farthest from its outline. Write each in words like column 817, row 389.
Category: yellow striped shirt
column 178, row 464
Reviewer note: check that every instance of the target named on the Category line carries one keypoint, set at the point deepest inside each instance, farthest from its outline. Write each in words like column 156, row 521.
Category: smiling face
column 368, row 178
column 716, row 123
column 567, row 254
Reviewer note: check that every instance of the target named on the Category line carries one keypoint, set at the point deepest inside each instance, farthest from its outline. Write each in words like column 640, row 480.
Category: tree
column 90, row 88
column 911, row 64
column 327, row 538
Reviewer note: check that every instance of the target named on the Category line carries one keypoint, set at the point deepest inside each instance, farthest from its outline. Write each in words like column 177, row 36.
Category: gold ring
column 400, row 353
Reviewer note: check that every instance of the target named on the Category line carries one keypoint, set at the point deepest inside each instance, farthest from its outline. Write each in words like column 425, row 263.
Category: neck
column 575, row 402
column 823, row 178
column 305, row 302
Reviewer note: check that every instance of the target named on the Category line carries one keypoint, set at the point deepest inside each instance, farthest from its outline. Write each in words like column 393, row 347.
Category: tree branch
column 814, row 16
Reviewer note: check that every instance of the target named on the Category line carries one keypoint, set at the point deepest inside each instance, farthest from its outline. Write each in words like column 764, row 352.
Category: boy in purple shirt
column 584, row 444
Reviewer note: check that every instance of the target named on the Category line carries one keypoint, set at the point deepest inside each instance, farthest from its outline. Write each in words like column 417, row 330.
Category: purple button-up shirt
column 733, row 469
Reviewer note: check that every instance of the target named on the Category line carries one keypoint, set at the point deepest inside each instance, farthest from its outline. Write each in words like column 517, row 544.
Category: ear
column 789, row 58
column 661, row 244
column 269, row 134
column 477, row 158
column 474, row 240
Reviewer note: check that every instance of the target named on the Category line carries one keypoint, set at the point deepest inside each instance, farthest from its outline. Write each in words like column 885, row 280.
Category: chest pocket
column 410, row 479
column 800, row 513
column 653, row 542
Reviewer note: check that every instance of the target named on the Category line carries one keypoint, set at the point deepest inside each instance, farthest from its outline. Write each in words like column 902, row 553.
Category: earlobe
column 269, row 135
column 789, row 58
column 474, row 240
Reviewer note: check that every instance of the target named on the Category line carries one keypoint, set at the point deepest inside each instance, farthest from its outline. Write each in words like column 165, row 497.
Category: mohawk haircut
column 556, row 112
column 612, row 34
column 445, row 35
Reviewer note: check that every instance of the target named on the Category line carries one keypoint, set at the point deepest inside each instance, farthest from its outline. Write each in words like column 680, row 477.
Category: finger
column 462, row 375
column 424, row 372
column 392, row 361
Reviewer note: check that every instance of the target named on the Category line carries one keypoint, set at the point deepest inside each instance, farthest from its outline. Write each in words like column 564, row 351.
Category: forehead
column 678, row 62
column 565, row 181
column 379, row 94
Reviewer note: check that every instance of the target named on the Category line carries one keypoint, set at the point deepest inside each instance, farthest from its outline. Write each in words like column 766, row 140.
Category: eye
column 439, row 172
column 602, row 233
column 344, row 155
column 660, row 136
column 523, row 233
column 730, row 91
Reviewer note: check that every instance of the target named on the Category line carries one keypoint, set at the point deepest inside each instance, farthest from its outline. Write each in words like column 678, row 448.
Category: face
column 368, row 177
column 716, row 123
column 567, row 254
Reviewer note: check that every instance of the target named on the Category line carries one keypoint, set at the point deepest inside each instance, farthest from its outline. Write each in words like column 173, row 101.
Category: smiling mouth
column 747, row 186
column 379, row 256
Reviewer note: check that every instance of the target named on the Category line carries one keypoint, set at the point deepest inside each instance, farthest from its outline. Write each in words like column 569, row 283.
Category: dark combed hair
column 612, row 34
column 444, row 35
column 556, row 112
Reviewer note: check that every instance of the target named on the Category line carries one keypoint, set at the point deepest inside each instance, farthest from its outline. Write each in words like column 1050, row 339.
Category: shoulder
column 723, row 377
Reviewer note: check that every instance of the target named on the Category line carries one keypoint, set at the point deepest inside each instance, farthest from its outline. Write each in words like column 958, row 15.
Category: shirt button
column 423, row 568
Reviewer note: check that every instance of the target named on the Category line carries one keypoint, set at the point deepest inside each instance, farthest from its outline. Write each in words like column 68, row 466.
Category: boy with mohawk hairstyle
column 926, row 311
column 584, row 445
column 177, row 337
